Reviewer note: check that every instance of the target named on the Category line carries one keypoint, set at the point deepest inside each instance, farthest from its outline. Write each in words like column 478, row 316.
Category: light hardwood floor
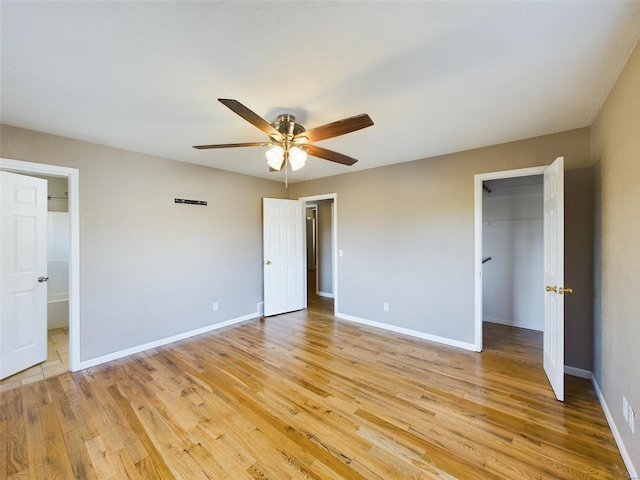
column 305, row 395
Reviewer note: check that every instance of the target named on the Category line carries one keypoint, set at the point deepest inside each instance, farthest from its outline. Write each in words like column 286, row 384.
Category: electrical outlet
column 385, row 307
column 625, row 408
column 215, row 306
column 632, row 420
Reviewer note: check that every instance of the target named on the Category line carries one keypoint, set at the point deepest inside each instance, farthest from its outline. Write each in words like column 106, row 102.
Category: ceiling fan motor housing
column 287, row 126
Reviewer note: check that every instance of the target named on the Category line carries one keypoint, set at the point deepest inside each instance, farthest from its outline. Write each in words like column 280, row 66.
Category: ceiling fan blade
column 330, row 155
column 251, row 117
column 335, row 129
column 231, row 145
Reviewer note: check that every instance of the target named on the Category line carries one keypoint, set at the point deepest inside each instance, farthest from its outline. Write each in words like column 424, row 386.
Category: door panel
column 23, row 259
column 554, row 276
column 283, row 250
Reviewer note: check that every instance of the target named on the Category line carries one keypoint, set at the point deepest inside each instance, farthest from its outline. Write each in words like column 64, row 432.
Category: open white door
column 283, row 255
column 23, row 266
column 554, row 276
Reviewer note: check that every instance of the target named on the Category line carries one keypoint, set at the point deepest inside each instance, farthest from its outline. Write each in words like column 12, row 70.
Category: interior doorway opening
column 512, row 252
column 479, row 191
column 311, row 210
column 321, row 248
column 57, row 360
column 66, row 296
column 552, row 286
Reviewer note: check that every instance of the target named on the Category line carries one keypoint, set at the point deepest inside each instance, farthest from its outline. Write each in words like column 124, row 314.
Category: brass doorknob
column 552, row 289
column 567, row 290
column 268, row 262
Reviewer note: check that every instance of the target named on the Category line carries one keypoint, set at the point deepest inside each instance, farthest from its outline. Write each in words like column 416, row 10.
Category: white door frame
column 73, row 179
column 478, row 179
column 334, row 241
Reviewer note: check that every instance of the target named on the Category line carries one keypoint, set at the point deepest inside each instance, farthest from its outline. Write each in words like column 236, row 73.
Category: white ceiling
column 435, row 77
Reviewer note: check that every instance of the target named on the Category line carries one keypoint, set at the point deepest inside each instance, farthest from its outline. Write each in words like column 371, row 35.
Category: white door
column 283, row 255
column 554, row 276
column 23, row 270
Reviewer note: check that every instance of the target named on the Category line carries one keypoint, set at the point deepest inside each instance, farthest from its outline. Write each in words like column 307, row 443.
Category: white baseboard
column 407, row 331
column 510, row 323
column 163, row 341
column 577, row 372
column 324, row 294
column 614, row 429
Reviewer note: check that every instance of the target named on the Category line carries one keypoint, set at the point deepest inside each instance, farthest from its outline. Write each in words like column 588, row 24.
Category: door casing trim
column 73, row 179
column 334, row 240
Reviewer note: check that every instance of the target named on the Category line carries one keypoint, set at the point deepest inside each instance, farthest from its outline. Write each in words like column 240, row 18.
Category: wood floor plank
column 210, row 466
column 57, row 456
column 307, row 396
column 153, row 464
column 231, row 465
column 232, row 389
column 100, row 459
column 127, row 437
column 37, row 448
column 78, row 455
column 125, row 466
column 13, row 448
column 275, row 462
column 87, row 404
column 66, row 417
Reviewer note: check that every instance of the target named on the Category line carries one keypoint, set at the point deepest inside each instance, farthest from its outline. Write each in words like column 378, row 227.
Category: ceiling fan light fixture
column 275, row 157
column 297, row 158
column 289, row 142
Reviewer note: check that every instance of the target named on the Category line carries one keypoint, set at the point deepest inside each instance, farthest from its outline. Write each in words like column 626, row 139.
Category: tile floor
column 57, row 362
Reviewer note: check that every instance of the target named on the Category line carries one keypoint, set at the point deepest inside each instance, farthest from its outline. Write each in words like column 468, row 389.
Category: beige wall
column 149, row 268
column 578, row 262
column 407, row 232
column 616, row 155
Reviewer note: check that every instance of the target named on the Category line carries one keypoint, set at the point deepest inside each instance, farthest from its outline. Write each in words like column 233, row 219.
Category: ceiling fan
column 289, row 143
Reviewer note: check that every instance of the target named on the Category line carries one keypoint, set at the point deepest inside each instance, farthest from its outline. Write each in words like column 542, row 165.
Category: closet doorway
column 512, row 252
column 552, row 286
